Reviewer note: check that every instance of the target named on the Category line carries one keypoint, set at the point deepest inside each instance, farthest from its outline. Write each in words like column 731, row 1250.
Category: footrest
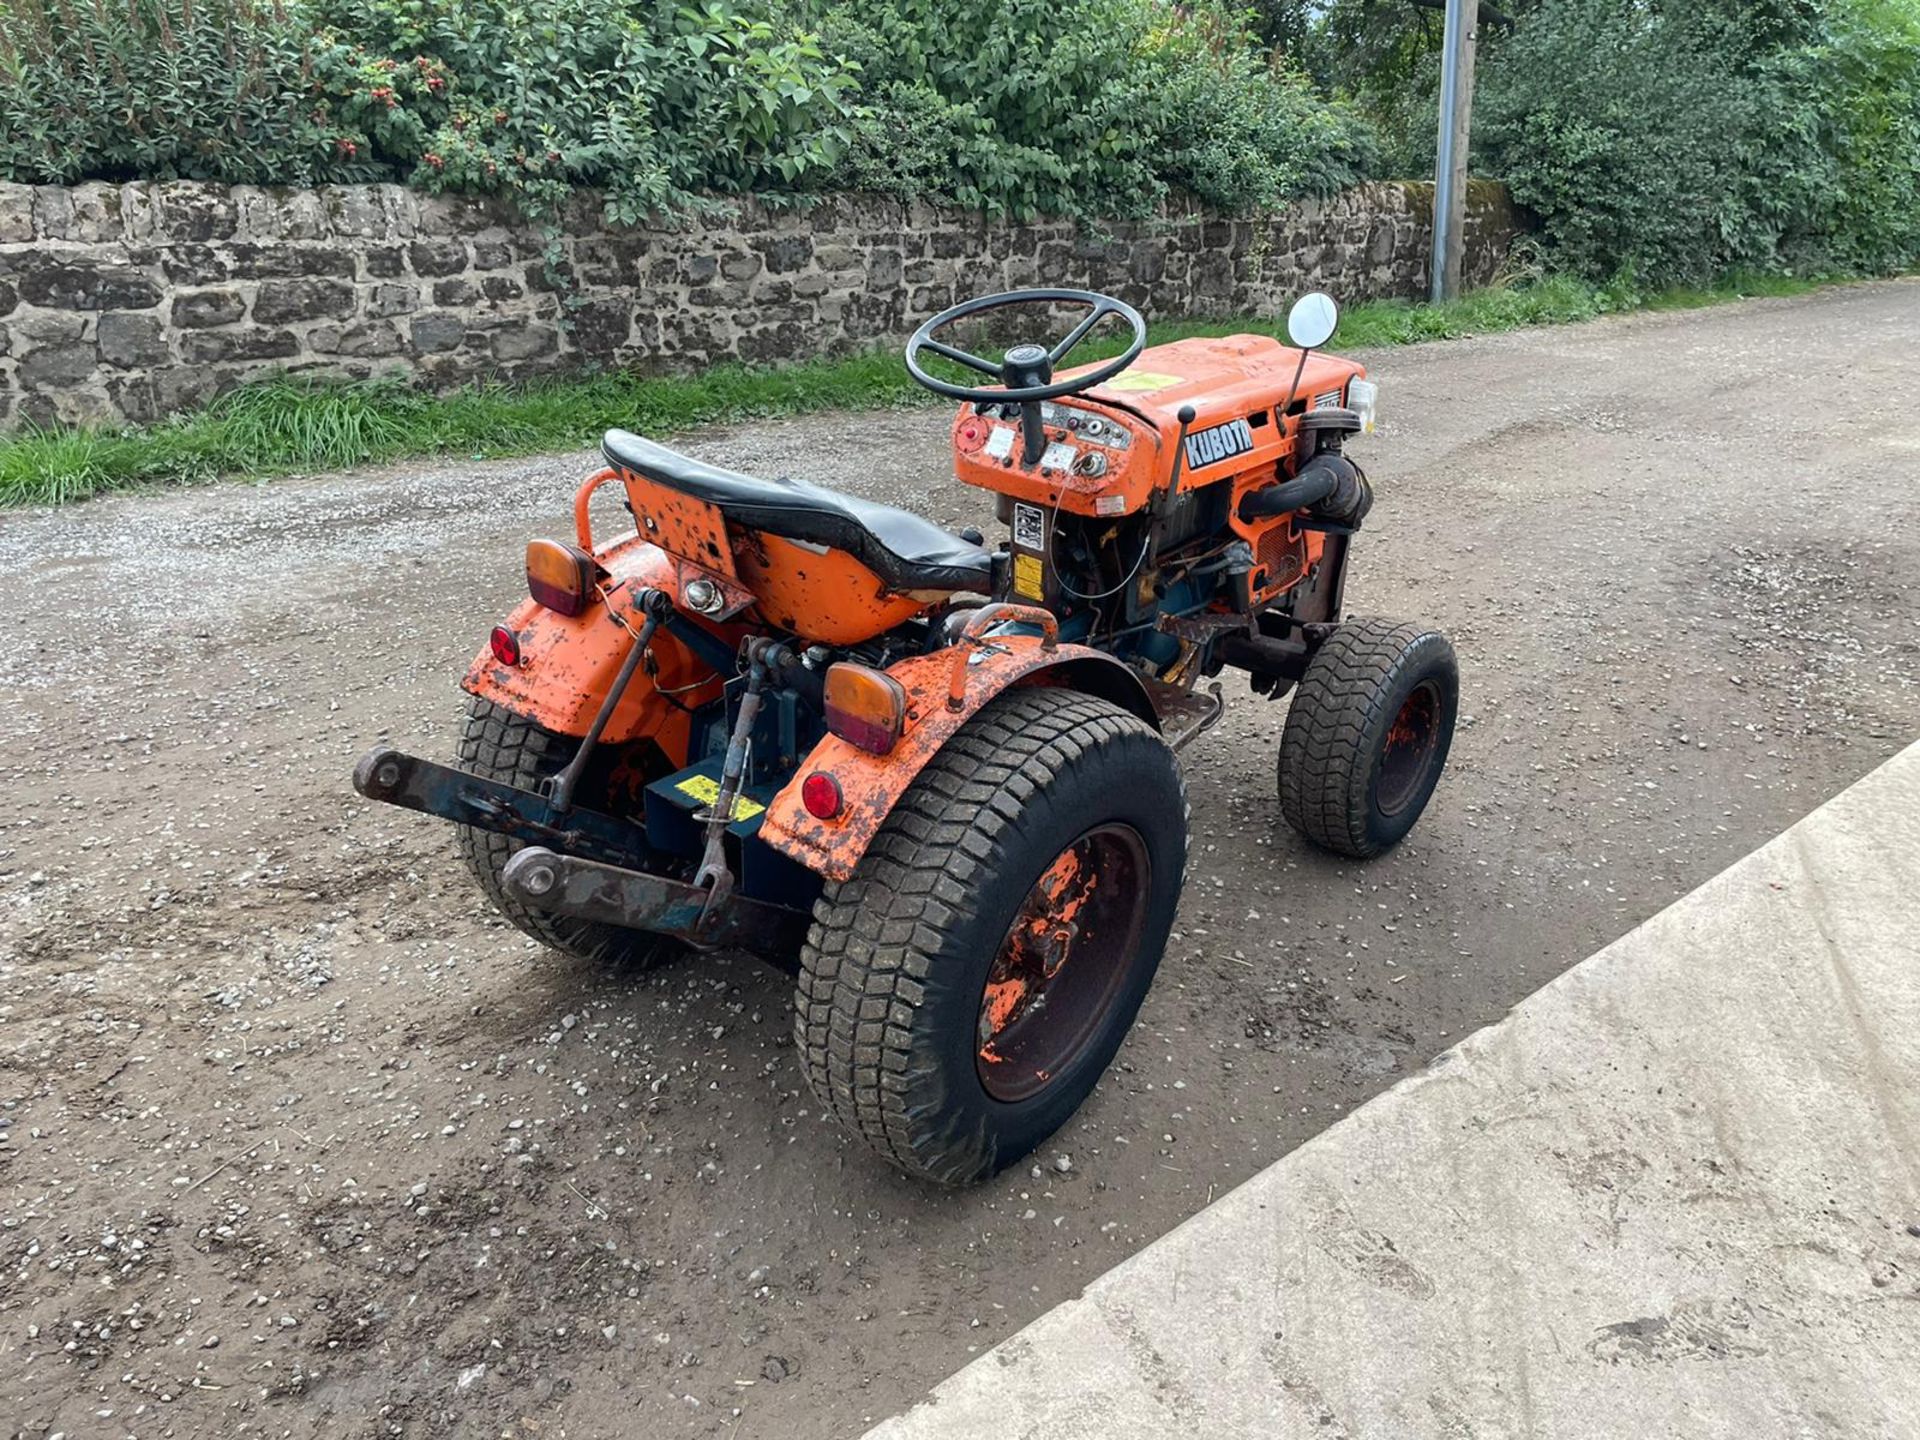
column 1185, row 714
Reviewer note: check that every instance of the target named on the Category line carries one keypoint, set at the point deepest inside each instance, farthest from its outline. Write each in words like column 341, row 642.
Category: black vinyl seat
column 905, row 550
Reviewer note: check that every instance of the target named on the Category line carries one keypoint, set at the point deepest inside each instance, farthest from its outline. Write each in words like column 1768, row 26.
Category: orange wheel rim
column 1062, row 962
column 1408, row 749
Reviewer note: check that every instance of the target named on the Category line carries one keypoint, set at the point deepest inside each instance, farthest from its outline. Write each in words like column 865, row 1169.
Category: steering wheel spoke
column 1025, row 374
column 963, row 357
column 1079, row 333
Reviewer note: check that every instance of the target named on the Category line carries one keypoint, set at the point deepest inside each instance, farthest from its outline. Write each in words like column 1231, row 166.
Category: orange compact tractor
column 936, row 778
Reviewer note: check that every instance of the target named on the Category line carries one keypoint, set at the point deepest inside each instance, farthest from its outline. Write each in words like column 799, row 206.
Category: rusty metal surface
column 973, row 637
column 568, row 663
column 396, row 778
column 1186, row 714
column 1224, row 378
column 684, row 527
column 873, row 784
column 820, row 593
column 1202, row 628
column 637, row 900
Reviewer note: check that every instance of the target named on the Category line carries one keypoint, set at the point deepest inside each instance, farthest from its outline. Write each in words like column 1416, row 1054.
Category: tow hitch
column 591, row 890
column 396, row 778
column 611, row 883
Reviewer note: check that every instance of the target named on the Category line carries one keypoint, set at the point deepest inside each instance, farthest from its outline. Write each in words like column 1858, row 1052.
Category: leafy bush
column 647, row 100
column 1870, row 215
column 1666, row 140
column 1242, row 129
column 1068, row 106
column 1083, row 106
column 207, row 91
column 1672, row 140
column 1627, row 129
column 1028, row 105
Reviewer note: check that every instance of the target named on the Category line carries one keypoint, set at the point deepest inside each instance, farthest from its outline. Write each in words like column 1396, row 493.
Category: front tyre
column 1367, row 735
column 962, row 993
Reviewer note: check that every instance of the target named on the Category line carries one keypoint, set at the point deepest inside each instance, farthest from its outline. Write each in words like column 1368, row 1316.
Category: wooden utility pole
column 1450, row 165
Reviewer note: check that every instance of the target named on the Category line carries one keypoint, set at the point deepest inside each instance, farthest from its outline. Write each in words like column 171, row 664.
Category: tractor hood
column 1223, row 378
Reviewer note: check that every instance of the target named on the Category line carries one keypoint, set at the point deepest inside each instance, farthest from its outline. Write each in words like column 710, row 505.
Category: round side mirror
column 1311, row 322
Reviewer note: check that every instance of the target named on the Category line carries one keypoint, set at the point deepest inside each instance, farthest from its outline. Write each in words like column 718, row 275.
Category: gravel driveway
column 296, row 1139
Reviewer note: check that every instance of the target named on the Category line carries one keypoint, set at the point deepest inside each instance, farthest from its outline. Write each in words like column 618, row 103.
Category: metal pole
column 1450, row 161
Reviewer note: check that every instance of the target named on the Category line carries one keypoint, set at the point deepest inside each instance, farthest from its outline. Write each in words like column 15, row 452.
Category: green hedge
column 1090, row 106
column 1677, row 140
column 1062, row 106
column 1667, row 140
column 1664, row 140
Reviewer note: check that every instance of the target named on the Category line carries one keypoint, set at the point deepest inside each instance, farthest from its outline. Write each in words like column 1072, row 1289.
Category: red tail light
column 820, row 793
column 505, row 645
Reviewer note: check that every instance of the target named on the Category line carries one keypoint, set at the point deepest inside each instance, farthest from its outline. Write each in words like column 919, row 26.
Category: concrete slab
column 1675, row 1192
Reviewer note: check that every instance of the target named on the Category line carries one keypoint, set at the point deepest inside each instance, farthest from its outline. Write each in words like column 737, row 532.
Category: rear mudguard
column 870, row 785
column 568, row 663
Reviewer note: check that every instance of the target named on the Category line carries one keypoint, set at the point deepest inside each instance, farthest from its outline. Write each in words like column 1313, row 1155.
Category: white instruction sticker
column 1059, row 456
column 1000, row 442
column 1029, row 527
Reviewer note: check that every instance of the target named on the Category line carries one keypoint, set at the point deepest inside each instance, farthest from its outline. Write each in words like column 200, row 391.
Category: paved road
column 298, row 1136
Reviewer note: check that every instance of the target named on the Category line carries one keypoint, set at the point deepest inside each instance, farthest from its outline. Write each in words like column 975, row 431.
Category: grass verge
column 283, row 426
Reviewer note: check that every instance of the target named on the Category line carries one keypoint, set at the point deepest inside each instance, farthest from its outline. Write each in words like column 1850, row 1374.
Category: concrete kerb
column 1674, row 1192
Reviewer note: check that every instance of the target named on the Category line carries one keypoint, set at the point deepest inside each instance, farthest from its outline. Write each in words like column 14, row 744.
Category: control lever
column 714, row 876
column 1185, row 415
column 656, row 605
column 1163, row 504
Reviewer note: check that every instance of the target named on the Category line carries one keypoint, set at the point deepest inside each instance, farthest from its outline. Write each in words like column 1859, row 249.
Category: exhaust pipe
column 1329, row 486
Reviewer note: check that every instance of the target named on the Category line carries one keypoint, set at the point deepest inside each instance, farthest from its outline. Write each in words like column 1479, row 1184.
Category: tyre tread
column 867, row 956
column 1325, row 761
column 499, row 745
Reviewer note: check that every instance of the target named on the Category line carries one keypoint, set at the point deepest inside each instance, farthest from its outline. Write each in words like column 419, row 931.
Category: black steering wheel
column 1025, row 373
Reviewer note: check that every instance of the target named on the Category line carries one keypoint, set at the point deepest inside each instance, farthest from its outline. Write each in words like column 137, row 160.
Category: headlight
column 1363, row 396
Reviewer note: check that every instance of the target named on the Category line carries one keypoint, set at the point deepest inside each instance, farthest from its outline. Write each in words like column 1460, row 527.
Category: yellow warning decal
column 706, row 790
column 1141, row 381
column 1028, row 578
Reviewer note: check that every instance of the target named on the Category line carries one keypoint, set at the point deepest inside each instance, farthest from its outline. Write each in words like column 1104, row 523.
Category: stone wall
column 125, row 302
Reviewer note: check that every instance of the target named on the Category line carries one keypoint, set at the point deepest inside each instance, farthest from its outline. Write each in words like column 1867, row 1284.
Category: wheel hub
column 1062, row 961
column 1410, row 742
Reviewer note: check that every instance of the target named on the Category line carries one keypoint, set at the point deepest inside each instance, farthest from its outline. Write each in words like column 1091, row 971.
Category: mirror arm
column 1294, row 388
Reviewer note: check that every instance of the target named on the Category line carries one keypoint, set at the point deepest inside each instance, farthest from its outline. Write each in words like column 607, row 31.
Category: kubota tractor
column 938, row 779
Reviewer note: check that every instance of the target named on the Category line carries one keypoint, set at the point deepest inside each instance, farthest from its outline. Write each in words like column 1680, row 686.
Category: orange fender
column 568, row 663
column 870, row 785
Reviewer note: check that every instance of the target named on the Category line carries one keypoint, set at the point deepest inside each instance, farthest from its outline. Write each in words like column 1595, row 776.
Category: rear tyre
column 500, row 745
column 961, row 994
column 1367, row 735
